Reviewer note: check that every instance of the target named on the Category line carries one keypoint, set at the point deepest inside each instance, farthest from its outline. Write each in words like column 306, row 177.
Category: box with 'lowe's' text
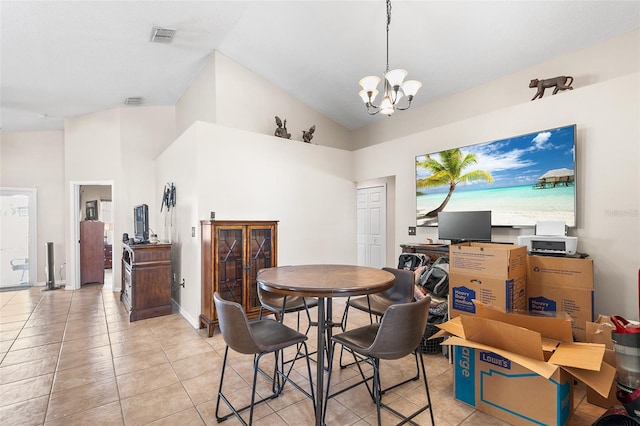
column 520, row 368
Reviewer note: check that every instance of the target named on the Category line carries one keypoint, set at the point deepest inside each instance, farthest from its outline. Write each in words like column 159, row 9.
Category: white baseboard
column 195, row 323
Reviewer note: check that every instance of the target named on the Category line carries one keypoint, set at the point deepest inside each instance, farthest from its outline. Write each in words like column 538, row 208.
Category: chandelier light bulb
column 411, row 87
column 370, row 83
column 395, row 77
column 365, row 95
column 387, row 106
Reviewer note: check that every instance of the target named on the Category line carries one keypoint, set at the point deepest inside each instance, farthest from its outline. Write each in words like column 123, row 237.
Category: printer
column 550, row 238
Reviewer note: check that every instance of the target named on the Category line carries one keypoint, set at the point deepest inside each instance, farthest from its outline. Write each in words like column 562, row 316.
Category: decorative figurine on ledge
column 281, row 131
column 561, row 83
column 307, row 136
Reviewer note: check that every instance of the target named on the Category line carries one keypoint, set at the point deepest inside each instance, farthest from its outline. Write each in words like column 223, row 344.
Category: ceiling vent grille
column 162, row 35
column 133, row 101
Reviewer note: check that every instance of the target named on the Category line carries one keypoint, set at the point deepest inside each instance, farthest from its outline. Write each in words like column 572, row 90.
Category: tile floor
column 72, row 358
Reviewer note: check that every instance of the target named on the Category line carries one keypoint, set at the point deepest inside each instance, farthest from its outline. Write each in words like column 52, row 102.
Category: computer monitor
column 459, row 227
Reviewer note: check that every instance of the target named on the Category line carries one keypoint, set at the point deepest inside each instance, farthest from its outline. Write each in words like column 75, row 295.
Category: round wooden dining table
column 324, row 282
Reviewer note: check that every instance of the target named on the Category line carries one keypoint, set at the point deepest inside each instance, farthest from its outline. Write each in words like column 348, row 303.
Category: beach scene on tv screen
column 522, row 180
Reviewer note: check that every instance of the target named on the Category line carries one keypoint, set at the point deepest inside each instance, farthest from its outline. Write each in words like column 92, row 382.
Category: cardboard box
column 600, row 332
column 520, row 368
column 562, row 284
column 494, row 274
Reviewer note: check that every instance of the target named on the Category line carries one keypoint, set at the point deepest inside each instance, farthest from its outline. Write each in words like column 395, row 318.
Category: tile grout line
column 55, row 371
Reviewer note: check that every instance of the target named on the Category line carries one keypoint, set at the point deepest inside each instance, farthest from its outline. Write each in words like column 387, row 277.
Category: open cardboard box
column 520, row 368
column 600, row 332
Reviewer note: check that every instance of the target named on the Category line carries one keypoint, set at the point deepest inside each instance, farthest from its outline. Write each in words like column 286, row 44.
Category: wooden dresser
column 146, row 280
column 232, row 254
column 91, row 252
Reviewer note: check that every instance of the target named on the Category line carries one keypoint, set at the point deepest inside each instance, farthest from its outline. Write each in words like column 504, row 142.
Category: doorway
column 371, row 208
column 91, row 254
column 18, row 237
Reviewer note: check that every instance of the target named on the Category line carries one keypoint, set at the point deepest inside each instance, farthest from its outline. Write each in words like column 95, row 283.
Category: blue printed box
column 504, row 389
column 507, row 295
column 494, row 274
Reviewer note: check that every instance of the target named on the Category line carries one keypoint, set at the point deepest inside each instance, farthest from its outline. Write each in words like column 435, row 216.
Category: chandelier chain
column 388, row 24
column 394, row 88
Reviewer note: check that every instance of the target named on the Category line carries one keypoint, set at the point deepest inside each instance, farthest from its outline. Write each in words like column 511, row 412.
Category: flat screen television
column 459, row 227
column 521, row 180
column 141, row 224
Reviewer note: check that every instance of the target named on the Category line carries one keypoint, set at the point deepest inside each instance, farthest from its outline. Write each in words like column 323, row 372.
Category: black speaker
column 51, row 277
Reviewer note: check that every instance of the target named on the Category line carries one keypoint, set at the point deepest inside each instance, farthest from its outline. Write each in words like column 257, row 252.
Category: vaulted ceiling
column 61, row 59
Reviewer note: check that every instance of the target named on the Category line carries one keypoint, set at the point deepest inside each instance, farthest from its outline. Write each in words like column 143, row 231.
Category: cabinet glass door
column 260, row 257
column 230, row 263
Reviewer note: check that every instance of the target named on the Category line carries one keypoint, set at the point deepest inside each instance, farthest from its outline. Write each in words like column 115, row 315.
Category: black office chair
column 257, row 338
column 397, row 335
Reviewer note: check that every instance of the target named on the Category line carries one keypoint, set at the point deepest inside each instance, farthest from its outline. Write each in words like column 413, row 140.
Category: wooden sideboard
column 146, row 280
column 432, row 251
column 232, row 254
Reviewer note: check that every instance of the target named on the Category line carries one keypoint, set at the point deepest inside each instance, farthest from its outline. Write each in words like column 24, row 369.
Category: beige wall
column 34, row 160
column 243, row 175
column 611, row 59
column 229, row 94
column 121, row 146
column 198, row 102
column 608, row 180
column 116, row 147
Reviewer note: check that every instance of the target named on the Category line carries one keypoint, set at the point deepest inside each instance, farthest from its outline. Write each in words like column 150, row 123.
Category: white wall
column 226, row 93
column 198, row 102
column 608, row 181
column 241, row 175
column 180, row 164
column 33, row 160
column 610, row 59
column 119, row 146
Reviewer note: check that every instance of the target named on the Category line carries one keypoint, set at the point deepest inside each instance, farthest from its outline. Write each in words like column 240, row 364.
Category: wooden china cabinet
column 232, row 254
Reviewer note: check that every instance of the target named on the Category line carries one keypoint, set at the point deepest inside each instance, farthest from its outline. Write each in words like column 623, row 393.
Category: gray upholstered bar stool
column 280, row 305
column 258, row 337
column 377, row 304
column 397, row 335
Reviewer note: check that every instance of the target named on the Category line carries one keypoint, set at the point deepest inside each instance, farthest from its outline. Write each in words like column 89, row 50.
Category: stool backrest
column 402, row 289
column 234, row 326
column 401, row 330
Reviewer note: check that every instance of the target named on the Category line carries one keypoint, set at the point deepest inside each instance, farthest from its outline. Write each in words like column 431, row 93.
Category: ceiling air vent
column 133, row 101
column 162, row 35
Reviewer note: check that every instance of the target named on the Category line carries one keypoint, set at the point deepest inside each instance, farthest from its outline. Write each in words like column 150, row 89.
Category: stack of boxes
column 506, row 278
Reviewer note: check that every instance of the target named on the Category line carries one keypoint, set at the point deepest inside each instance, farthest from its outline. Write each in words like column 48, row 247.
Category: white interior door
column 18, row 237
column 371, row 208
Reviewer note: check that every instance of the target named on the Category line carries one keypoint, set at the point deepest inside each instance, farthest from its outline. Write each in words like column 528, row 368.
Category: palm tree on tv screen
column 448, row 171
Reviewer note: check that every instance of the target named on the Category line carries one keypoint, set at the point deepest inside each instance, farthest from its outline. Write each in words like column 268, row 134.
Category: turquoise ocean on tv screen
column 510, row 206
